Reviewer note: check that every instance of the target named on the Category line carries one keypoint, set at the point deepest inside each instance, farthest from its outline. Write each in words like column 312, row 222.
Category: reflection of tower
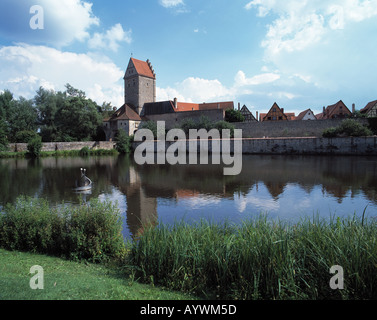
column 141, row 209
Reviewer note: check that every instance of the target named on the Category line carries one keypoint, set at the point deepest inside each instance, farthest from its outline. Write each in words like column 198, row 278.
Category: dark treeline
column 54, row 116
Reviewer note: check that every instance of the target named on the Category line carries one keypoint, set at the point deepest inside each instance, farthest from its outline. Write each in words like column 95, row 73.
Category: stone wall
column 272, row 129
column 297, row 146
column 54, row 146
column 173, row 119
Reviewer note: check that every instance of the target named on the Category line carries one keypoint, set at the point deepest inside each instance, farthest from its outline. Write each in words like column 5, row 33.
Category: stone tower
column 139, row 84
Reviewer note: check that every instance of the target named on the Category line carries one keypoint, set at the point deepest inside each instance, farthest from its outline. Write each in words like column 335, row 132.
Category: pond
column 284, row 187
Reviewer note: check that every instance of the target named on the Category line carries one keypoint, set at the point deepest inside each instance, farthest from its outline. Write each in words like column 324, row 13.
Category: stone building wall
column 302, row 128
column 173, row 119
column 55, row 146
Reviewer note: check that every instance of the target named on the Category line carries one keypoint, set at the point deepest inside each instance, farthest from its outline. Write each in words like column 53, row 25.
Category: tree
column 123, row 142
column 232, row 115
column 48, row 102
column 67, row 116
column 34, row 147
column 5, row 101
column 3, row 136
column 22, row 116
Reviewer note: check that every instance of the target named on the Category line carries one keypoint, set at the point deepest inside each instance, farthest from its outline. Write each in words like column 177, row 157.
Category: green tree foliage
column 67, row 116
column 15, row 116
column 34, row 147
column 348, row 128
column 232, row 115
column 123, row 142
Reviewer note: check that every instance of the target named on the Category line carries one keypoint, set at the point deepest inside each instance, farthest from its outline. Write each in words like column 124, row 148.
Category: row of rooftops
column 127, row 111
column 337, row 110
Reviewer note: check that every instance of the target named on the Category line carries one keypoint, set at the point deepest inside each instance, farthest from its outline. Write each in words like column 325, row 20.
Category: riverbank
column 68, row 280
column 260, row 259
column 61, row 153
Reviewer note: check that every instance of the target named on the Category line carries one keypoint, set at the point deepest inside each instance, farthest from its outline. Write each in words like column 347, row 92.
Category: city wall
column 295, row 146
column 273, row 129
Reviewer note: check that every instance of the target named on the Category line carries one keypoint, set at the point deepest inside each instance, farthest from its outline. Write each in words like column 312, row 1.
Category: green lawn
column 66, row 280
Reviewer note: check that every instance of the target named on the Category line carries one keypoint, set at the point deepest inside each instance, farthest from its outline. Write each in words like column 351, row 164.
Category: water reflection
column 286, row 187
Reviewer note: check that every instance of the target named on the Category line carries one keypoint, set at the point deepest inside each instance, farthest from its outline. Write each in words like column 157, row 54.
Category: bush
column 34, row 147
column 330, row 133
column 220, row 125
column 90, row 231
column 84, row 152
column 123, row 142
column 348, row 128
column 205, row 123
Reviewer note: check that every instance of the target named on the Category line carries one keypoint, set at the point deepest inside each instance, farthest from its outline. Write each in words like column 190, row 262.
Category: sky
column 299, row 53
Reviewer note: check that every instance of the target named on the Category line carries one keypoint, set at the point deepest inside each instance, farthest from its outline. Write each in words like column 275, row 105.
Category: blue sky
column 300, row 53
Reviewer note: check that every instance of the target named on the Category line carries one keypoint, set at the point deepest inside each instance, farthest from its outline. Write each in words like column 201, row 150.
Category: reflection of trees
column 54, row 179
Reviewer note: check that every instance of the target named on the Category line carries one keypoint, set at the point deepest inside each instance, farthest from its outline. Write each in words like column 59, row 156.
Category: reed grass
column 261, row 259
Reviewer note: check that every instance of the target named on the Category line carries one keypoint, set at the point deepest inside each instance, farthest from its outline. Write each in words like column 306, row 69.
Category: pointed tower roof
column 143, row 68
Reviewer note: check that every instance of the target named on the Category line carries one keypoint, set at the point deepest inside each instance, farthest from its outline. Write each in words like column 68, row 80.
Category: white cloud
column 241, row 80
column 196, row 90
column 320, row 45
column 301, row 24
column 64, row 21
column 70, row 19
column 171, row 3
column 110, row 39
column 23, row 68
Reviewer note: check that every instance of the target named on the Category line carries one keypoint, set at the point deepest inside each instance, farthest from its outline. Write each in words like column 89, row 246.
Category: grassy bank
column 261, row 259
column 68, row 280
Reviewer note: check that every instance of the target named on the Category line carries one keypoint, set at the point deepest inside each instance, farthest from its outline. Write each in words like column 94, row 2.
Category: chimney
column 324, row 110
column 175, row 103
column 282, row 110
column 353, row 108
column 239, row 106
column 256, row 115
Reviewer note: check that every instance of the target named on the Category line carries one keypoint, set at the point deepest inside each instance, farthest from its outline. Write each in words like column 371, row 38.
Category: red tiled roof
column 186, row 106
column 125, row 112
column 217, row 105
column 143, row 68
column 368, row 106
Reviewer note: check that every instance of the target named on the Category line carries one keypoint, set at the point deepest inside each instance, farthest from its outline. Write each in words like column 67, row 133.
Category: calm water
column 285, row 187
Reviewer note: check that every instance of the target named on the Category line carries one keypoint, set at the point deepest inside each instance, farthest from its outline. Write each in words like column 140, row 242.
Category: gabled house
column 249, row 117
column 308, row 114
column 336, row 111
column 125, row 118
column 276, row 114
column 370, row 110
